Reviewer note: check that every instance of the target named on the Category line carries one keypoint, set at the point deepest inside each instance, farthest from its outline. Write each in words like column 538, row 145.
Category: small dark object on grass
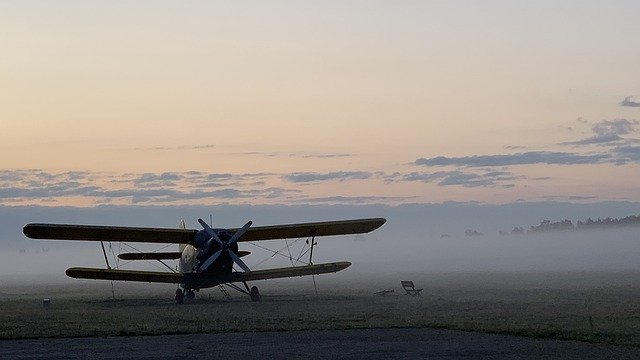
column 384, row 292
column 410, row 288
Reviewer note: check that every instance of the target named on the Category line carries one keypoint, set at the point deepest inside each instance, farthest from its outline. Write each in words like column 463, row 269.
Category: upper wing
column 327, row 228
column 108, row 233
column 186, row 236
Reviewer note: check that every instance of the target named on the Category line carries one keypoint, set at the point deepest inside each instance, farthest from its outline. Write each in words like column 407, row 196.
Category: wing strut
column 313, row 243
column 104, row 252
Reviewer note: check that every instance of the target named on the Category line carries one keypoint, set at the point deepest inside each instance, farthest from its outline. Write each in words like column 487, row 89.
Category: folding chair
column 410, row 288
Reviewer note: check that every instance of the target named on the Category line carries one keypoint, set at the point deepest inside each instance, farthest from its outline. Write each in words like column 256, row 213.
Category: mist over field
column 417, row 239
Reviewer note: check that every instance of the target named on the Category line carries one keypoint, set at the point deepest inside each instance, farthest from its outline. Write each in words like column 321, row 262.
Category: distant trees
column 567, row 225
column 608, row 222
column 547, row 225
column 564, row 225
column 470, row 232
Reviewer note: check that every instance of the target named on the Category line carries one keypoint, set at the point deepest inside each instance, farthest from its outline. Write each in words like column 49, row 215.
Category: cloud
column 207, row 180
column 326, row 156
column 627, row 153
column 570, row 198
column 182, row 147
column 628, row 102
column 48, row 191
column 461, row 178
column 167, row 187
column 299, row 155
column 164, row 179
column 526, row 158
column 355, row 199
column 607, row 131
column 224, row 194
column 614, row 127
column 304, row 177
column 225, row 176
column 595, row 140
column 37, row 175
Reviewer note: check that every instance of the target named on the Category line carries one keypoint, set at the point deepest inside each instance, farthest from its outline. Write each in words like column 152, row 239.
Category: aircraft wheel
column 255, row 294
column 190, row 294
column 179, row 296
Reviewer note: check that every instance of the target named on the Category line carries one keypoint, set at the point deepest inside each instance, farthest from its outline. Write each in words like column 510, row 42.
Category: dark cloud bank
column 616, row 136
column 607, row 131
column 525, row 158
column 629, row 102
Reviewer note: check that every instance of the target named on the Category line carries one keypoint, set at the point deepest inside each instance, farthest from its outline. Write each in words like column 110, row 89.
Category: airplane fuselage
column 193, row 255
column 188, row 260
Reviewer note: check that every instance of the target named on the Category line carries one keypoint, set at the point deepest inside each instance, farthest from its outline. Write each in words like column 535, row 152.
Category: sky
column 318, row 102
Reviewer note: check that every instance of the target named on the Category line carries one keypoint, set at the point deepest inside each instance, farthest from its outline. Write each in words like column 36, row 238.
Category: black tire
column 255, row 294
column 179, row 296
column 190, row 294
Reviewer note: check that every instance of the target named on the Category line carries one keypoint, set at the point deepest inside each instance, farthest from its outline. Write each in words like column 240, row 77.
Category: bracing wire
column 289, row 250
column 303, row 247
column 277, row 252
column 138, row 250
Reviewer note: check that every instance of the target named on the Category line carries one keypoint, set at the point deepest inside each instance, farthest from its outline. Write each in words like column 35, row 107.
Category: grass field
column 594, row 307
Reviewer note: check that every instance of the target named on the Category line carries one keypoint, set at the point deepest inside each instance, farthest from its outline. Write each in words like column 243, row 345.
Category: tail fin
column 182, row 225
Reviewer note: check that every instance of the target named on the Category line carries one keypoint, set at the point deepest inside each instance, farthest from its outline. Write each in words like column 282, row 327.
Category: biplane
column 206, row 257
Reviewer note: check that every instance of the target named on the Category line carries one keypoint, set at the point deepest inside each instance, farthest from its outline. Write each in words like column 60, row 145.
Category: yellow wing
column 125, row 275
column 199, row 281
column 327, row 228
column 186, row 236
column 292, row 271
column 161, row 255
column 108, row 233
column 150, row 256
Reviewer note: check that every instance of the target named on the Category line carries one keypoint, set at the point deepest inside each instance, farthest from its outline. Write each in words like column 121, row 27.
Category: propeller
column 224, row 246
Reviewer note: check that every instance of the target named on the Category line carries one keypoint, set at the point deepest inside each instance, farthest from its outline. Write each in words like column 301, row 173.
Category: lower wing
column 161, row 255
column 199, row 281
column 291, row 271
column 125, row 275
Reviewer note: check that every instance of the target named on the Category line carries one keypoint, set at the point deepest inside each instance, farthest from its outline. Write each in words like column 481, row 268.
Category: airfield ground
column 370, row 344
column 588, row 307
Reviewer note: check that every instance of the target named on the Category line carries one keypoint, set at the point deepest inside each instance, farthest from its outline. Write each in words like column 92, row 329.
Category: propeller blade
column 210, row 231
column 209, row 261
column 239, row 233
column 238, row 261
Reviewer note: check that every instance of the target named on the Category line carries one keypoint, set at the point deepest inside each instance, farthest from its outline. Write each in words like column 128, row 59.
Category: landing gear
column 189, row 294
column 186, row 294
column 179, row 296
column 254, row 294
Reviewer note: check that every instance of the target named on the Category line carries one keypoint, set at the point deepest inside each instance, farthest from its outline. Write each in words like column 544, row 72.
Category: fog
column 417, row 239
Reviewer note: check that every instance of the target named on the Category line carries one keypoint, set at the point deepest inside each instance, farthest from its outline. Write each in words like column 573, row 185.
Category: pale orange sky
column 324, row 89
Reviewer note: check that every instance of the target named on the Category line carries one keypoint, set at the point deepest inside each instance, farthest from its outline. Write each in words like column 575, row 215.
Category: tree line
column 567, row 225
